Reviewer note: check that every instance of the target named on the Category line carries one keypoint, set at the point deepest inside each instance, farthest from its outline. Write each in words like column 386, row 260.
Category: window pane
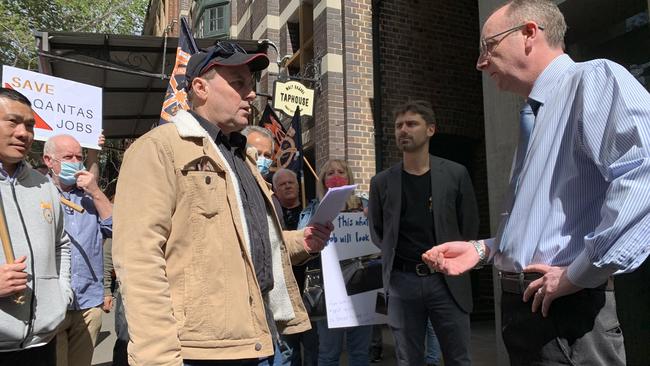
column 213, row 20
column 220, row 19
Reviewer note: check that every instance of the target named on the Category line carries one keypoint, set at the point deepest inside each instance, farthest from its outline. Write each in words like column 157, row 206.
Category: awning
column 129, row 69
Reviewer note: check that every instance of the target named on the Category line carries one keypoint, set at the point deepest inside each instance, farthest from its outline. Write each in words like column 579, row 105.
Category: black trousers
column 411, row 301
column 36, row 356
column 581, row 329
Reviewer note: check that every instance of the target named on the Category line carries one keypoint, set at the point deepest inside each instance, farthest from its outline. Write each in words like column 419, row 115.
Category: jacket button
column 258, row 346
column 207, row 180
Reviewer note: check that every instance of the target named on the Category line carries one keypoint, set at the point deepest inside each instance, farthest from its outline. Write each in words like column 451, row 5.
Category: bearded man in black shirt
column 420, row 202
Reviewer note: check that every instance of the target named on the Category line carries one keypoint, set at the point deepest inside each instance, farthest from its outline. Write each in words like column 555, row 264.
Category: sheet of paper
column 332, row 204
column 350, row 239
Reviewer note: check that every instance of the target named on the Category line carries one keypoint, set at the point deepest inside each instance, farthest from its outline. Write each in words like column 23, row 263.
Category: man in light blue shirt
column 87, row 224
column 579, row 200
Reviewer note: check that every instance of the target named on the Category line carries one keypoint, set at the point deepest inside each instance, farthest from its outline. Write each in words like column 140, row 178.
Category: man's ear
column 431, row 130
column 200, row 88
column 48, row 161
column 531, row 32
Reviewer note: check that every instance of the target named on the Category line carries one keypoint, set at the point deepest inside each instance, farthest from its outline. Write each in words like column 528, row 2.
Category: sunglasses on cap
column 220, row 49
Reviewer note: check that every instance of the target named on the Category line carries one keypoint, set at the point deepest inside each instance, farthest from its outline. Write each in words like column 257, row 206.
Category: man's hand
column 13, row 279
column 552, row 285
column 86, row 181
column 316, row 236
column 108, row 303
column 453, row 258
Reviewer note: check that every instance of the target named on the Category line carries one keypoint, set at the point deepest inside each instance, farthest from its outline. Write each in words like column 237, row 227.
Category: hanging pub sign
column 287, row 96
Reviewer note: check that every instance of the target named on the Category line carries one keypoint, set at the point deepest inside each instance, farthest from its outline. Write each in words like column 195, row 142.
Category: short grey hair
column 261, row 130
column 283, row 171
column 545, row 13
column 49, row 148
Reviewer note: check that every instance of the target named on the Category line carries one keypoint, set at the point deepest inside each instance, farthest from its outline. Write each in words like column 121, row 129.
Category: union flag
column 176, row 95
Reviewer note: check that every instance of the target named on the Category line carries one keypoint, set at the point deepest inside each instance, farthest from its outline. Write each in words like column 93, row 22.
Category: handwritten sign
column 347, row 308
column 60, row 106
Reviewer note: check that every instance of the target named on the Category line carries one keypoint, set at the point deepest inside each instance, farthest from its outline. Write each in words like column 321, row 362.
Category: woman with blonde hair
column 336, row 173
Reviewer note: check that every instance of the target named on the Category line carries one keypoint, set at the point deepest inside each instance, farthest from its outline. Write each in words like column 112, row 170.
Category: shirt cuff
column 583, row 273
column 490, row 244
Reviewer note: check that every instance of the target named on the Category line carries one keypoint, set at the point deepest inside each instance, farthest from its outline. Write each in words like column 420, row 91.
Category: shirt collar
column 547, row 79
column 236, row 139
column 5, row 175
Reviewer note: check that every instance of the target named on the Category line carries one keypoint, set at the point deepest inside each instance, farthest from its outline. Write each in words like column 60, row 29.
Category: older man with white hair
column 87, row 225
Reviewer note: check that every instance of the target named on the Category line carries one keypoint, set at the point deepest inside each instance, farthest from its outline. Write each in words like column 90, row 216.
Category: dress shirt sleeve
column 614, row 133
column 144, row 203
column 106, row 227
column 108, row 266
column 490, row 243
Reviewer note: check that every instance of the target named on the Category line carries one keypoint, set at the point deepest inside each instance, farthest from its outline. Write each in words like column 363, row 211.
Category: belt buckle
column 422, row 270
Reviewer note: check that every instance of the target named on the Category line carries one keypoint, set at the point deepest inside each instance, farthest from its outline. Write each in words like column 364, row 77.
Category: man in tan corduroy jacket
column 204, row 266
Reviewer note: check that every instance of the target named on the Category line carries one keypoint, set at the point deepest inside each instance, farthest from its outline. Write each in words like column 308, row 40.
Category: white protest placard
column 348, row 306
column 60, row 106
column 331, row 204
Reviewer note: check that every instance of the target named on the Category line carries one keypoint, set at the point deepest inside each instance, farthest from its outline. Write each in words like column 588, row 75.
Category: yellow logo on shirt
column 47, row 211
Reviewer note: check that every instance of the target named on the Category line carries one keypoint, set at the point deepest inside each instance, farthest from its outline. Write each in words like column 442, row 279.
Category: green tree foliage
column 22, row 17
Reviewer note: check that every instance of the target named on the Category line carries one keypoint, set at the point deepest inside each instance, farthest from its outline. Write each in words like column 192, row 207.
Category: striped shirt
column 583, row 198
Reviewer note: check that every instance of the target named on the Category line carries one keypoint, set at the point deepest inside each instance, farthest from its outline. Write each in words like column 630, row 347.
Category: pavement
column 483, row 344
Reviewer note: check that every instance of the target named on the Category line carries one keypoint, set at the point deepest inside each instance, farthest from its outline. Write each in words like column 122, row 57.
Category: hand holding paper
column 332, row 204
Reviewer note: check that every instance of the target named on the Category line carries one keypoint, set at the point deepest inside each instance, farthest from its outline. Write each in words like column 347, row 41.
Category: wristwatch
column 480, row 249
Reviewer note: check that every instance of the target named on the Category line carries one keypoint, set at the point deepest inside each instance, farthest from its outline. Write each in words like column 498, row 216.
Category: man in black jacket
column 420, row 202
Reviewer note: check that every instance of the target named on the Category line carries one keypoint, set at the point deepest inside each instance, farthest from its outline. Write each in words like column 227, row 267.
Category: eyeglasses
column 490, row 43
column 221, row 48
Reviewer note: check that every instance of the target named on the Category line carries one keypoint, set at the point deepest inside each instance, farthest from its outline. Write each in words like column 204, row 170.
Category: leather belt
column 516, row 283
column 419, row 268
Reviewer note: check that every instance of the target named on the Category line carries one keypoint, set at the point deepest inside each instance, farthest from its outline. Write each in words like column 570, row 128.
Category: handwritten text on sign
column 350, row 239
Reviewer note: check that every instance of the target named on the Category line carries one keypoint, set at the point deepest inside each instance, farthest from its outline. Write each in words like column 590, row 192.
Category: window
column 216, row 21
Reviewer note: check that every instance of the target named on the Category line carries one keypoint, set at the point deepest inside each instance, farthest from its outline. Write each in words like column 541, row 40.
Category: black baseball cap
column 223, row 54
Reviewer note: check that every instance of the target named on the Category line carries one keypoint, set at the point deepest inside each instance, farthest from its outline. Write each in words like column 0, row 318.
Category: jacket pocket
column 208, row 191
column 201, row 318
column 51, row 305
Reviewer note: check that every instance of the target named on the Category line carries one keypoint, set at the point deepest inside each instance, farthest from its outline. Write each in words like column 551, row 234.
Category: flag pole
column 311, row 169
column 19, row 298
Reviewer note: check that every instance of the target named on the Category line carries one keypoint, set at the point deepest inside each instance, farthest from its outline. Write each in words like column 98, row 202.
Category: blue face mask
column 263, row 165
column 68, row 170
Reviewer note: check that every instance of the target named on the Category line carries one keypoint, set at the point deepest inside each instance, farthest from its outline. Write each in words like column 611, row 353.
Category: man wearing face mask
column 261, row 139
column 87, row 225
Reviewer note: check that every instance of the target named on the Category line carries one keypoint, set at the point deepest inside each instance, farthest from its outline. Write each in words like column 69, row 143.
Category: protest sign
column 352, row 274
column 60, row 106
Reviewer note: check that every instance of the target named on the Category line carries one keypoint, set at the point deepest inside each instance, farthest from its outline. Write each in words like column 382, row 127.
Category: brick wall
column 357, row 61
column 429, row 51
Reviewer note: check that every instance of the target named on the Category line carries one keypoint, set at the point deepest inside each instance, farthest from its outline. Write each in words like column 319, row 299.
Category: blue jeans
column 291, row 355
column 330, row 344
column 432, row 357
column 275, row 360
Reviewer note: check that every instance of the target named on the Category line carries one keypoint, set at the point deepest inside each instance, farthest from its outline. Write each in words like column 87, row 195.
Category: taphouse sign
column 287, row 96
